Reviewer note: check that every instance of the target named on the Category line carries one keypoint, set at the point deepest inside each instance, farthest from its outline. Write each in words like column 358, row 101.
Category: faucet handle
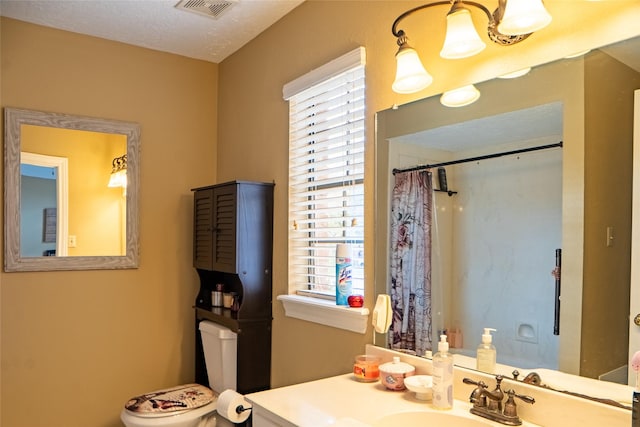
column 527, row 399
column 524, row 398
column 472, row 382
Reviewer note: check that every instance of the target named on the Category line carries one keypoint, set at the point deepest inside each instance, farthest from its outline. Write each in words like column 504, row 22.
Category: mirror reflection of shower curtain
column 410, row 261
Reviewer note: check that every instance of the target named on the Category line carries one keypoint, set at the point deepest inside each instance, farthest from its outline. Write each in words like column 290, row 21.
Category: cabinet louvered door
column 224, row 228
column 203, row 230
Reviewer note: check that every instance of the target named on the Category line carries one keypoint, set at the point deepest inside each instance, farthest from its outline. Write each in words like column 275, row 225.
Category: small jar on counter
column 392, row 374
column 365, row 368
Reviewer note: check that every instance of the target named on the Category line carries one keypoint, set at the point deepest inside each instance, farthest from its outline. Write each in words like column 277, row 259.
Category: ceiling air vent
column 211, row 8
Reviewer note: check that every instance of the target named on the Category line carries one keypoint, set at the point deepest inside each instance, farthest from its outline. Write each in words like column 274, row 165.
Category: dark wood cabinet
column 214, row 239
column 233, row 241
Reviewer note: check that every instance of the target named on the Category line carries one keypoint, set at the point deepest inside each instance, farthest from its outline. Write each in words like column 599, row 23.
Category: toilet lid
column 171, row 400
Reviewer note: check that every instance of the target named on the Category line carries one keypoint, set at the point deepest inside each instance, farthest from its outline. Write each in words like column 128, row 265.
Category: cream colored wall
column 253, row 137
column 609, row 87
column 124, row 332
column 77, row 345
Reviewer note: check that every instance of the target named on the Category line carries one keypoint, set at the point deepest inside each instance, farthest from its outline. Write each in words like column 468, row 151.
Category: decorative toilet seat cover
column 171, row 400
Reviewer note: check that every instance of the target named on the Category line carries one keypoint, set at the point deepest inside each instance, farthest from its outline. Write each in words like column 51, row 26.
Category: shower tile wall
column 494, row 249
column 507, row 224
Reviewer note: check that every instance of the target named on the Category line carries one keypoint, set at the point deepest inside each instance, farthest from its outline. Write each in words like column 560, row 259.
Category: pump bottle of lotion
column 443, row 376
column 486, row 353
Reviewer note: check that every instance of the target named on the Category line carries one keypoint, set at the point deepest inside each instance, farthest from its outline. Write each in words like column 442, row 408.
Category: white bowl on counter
column 421, row 385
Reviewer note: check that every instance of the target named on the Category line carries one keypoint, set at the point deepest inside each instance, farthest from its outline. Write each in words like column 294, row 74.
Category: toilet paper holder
column 240, row 409
column 232, row 406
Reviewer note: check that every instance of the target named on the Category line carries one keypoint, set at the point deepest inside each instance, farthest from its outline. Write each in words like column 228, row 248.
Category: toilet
column 190, row 405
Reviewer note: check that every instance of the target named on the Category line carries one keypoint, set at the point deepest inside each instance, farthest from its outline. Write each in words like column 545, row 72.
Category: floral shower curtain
column 410, row 261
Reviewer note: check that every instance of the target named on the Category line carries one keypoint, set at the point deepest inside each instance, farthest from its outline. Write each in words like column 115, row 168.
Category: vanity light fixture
column 512, row 22
column 118, row 176
column 460, row 97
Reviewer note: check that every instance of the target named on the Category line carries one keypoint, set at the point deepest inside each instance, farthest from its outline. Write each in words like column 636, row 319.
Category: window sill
column 325, row 313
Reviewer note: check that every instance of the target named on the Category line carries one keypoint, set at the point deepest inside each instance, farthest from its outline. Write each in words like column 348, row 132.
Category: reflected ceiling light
column 577, row 54
column 515, row 74
column 462, row 39
column 460, row 97
column 118, row 177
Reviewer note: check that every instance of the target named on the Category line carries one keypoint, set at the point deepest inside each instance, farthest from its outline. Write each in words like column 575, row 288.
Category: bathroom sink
column 426, row 418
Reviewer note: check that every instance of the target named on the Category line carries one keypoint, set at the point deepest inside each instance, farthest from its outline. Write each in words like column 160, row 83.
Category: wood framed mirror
column 60, row 210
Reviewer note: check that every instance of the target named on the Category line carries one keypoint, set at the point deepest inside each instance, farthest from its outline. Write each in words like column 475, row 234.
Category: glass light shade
column 523, row 17
column 123, row 179
column 118, row 179
column 460, row 97
column 113, row 180
column 462, row 39
column 410, row 74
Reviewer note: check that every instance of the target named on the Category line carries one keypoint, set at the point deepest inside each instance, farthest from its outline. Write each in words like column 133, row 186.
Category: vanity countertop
column 342, row 400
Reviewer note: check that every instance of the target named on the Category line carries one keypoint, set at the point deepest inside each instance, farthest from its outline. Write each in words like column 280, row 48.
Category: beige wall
column 124, row 332
column 77, row 345
column 609, row 87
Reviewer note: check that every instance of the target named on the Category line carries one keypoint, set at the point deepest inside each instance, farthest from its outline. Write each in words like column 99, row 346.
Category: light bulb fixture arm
column 492, row 26
column 400, row 33
column 119, row 163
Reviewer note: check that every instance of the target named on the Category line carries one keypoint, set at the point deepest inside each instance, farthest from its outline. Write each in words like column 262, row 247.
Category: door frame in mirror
column 62, row 193
column 14, row 118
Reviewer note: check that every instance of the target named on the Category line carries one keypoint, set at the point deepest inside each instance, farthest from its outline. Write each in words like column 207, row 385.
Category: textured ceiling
column 535, row 123
column 156, row 24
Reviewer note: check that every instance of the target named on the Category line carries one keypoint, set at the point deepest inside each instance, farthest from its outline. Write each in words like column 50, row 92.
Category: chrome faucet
column 489, row 404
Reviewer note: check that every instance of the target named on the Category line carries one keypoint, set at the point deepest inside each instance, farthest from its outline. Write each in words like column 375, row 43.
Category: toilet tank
column 220, row 350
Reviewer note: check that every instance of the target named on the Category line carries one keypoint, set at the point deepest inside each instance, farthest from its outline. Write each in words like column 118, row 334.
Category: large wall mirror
column 71, row 192
column 497, row 232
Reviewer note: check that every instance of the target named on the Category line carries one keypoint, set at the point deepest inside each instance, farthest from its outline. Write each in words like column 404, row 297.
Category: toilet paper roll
column 232, row 406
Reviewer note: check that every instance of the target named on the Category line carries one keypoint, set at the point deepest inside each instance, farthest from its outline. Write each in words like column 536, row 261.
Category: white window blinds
column 326, row 173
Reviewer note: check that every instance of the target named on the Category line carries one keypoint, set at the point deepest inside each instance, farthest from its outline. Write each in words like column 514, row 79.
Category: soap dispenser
column 486, row 354
column 443, row 376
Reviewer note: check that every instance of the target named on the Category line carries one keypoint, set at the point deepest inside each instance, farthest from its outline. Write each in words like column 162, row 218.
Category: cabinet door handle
column 636, row 320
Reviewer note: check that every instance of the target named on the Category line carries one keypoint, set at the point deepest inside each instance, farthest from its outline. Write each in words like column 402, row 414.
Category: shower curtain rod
column 473, row 159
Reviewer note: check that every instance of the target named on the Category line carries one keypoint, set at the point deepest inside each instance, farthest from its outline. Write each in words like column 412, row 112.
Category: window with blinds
column 326, row 174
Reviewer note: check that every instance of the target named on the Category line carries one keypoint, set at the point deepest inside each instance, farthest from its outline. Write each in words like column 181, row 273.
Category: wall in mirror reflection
column 93, row 222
